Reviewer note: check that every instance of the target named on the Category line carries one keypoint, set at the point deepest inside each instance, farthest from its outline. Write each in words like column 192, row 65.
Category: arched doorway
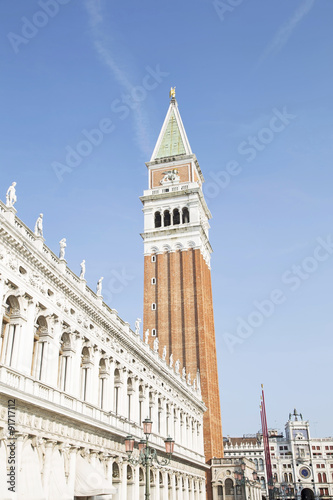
column 307, row 494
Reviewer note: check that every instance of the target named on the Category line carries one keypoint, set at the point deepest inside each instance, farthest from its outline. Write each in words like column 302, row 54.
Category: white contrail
column 286, row 30
column 100, row 43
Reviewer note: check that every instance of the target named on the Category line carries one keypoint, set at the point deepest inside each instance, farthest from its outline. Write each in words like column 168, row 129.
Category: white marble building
column 75, row 380
column 302, row 466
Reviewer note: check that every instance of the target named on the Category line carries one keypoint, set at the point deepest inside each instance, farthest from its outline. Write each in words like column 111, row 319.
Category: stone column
column 110, row 387
column 186, row 495
column 165, row 490
column 123, row 493
column 145, row 403
column 49, row 446
column 74, row 386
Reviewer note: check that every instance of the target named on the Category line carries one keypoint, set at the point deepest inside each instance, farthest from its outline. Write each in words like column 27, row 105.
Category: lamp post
column 241, row 479
column 147, row 454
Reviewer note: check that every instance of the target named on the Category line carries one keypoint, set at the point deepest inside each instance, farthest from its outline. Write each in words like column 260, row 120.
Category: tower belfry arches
column 178, row 304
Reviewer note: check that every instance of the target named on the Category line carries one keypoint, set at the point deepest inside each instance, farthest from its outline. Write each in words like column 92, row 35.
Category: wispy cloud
column 105, row 54
column 286, row 30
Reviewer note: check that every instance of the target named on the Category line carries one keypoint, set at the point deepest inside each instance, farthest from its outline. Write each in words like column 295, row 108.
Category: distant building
column 302, row 466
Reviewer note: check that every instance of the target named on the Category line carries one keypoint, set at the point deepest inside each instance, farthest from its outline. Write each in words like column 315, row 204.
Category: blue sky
column 254, row 87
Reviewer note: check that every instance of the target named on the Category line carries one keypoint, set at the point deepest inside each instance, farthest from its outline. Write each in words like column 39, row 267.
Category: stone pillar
column 135, row 400
column 49, row 446
column 165, row 486
column 122, row 393
column 186, row 495
column 94, row 395
column 177, row 425
column 145, row 405
column 136, row 486
column 123, row 495
column 3, row 288
column 173, row 488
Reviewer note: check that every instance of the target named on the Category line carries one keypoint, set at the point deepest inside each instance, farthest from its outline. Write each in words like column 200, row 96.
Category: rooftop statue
column 62, row 248
column 39, row 226
column 11, row 195
column 99, row 287
column 83, row 269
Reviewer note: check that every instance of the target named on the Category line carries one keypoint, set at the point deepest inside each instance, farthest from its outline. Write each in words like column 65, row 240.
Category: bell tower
column 178, row 304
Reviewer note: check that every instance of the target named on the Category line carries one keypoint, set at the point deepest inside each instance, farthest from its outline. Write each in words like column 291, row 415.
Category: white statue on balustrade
column 39, row 226
column 11, row 195
column 99, row 287
column 63, row 245
column 83, row 269
column 137, row 326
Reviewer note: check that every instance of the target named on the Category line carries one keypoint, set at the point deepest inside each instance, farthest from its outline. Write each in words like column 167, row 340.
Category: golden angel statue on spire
column 172, row 92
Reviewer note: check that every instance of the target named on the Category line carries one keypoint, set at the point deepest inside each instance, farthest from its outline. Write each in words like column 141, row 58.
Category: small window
column 176, row 216
column 167, row 218
column 186, row 215
column 153, row 281
column 153, row 306
column 158, row 219
column 153, row 258
column 153, row 332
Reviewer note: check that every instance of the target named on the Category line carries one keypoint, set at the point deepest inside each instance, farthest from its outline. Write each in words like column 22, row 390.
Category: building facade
column 178, row 304
column 75, row 380
column 302, row 466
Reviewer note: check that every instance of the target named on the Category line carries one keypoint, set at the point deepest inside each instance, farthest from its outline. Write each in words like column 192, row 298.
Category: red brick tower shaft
column 178, row 304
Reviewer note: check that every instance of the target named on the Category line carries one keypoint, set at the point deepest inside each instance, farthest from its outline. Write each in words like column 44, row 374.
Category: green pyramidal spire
column 172, row 140
column 172, row 143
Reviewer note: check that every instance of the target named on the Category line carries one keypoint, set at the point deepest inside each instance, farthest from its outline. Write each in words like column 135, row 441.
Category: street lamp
column 241, row 479
column 147, row 454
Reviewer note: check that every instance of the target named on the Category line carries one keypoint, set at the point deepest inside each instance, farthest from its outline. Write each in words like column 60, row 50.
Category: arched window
column 115, row 472
column 263, row 482
column 102, row 381
column 167, row 218
column 324, row 477
column 261, row 464
column 320, row 478
column 229, row 487
column 158, row 219
column 129, row 473
column 290, row 477
column 175, row 216
column 37, row 364
column 117, row 382
column 285, row 477
column 9, row 332
column 185, row 215
column 256, row 463
column 85, row 365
